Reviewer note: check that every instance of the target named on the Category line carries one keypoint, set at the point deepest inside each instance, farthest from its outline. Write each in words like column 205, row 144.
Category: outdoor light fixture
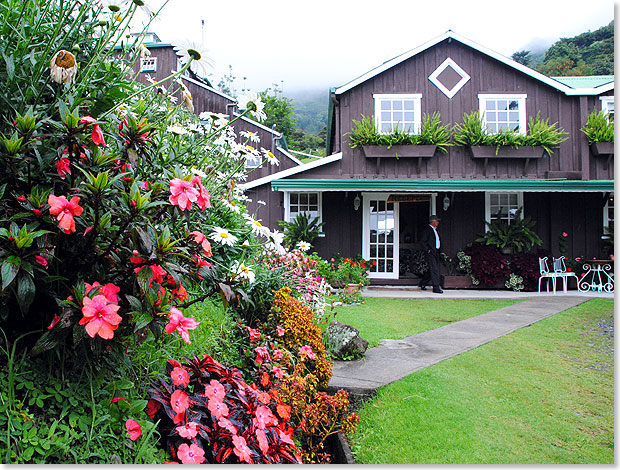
column 356, row 202
column 446, row 202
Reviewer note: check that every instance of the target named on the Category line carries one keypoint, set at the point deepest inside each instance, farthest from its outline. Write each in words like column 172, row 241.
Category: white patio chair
column 545, row 273
column 559, row 267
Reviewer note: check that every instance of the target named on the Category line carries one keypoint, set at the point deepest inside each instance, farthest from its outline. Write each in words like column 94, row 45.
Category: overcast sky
column 321, row 43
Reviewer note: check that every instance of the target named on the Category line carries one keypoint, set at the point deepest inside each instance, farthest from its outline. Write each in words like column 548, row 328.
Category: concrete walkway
column 394, row 359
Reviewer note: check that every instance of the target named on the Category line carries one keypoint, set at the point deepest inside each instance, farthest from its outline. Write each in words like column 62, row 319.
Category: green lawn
column 379, row 319
column 541, row 395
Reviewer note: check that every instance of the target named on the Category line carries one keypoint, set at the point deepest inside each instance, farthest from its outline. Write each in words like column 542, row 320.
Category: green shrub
column 303, row 228
column 518, row 235
column 599, row 128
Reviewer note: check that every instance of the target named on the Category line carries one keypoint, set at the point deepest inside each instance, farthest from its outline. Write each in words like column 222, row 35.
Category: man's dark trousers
column 432, row 274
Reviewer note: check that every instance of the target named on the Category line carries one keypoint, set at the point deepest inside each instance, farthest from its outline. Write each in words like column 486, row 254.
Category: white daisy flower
column 303, row 246
column 115, row 5
column 177, row 129
column 231, row 205
column 257, row 227
column 245, row 273
column 144, row 52
column 252, row 136
column 223, row 236
column 188, row 50
column 271, row 158
column 262, row 203
column 253, row 103
column 245, row 243
column 276, row 237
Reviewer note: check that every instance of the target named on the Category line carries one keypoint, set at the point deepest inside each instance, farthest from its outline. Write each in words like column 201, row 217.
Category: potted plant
column 458, row 271
column 349, row 274
column 400, row 143
column 302, row 228
column 599, row 131
column 517, row 236
column 540, row 139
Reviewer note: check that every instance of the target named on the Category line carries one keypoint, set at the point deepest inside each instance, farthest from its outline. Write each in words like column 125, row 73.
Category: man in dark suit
column 431, row 244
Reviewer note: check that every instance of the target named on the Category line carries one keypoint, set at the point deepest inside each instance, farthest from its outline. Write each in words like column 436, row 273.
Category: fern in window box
column 599, row 128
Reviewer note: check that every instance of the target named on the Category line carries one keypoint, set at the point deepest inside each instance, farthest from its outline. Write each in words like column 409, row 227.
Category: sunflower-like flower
column 63, row 67
column 194, row 52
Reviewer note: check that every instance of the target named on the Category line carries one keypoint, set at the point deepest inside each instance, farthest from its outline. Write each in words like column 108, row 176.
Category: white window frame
column 487, row 204
column 287, row 203
column 605, row 101
column 417, row 111
column 434, row 77
column 521, row 98
column 606, row 208
column 148, row 68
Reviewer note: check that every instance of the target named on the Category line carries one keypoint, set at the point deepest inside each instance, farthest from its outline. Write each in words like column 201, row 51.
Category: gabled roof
column 293, row 171
column 591, row 81
column 569, row 90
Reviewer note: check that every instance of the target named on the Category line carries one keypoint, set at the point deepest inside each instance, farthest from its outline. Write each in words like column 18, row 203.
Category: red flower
column 152, row 407
column 41, row 260
column 133, row 428
column 179, row 401
column 109, row 291
column 37, row 212
column 182, row 193
column 284, row 411
column 215, row 391
column 97, row 134
column 180, row 293
column 226, row 424
column 179, row 376
column 181, row 324
column 262, row 355
column 203, row 200
column 200, row 262
column 564, row 234
column 241, row 449
column 264, row 417
column 63, row 167
column 279, row 331
column 55, row 320
column 262, row 440
column 189, row 431
column 158, row 273
column 217, row 408
column 569, row 269
column 100, row 317
column 277, row 372
column 201, row 239
column 65, row 210
column 306, row 351
column 191, row 454
column 254, row 334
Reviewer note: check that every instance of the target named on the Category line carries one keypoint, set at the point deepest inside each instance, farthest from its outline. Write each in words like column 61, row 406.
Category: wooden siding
column 487, row 76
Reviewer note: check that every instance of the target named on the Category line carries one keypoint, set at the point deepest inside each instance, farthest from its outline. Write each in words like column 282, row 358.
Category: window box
column 526, row 152
column 602, row 148
column 399, row 151
column 457, row 282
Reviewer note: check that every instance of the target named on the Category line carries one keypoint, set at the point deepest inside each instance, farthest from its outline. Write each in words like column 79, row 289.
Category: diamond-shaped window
column 449, row 77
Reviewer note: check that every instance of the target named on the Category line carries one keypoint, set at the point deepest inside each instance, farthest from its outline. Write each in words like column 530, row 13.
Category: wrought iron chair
column 545, row 273
column 559, row 267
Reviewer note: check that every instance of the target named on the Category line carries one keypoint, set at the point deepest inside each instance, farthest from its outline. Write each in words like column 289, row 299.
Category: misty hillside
column 310, row 109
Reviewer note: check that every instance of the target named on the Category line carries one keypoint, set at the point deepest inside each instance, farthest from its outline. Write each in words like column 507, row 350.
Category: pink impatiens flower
column 65, row 210
column 100, row 317
column 181, row 324
column 277, row 354
column 215, row 391
column 201, row 239
column 63, row 167
column 179, row 401
column 306, row 351
column 109, row 291
column 189, row 431
column 564, row 234
column 191, row 454
column 133, row 429
column 262, row 355
column 203, row 200
column 264, row 417
column 277, row 372
column 97, row 134
column 279, row 331
column 254, row 334
column 217, row 408
column 182, row 193
column 241, row 449
column 179, row 376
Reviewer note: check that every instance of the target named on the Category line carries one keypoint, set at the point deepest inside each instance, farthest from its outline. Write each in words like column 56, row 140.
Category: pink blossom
column 189, row 431
column 133, row 428
column 109, row 291
column 564, row 234
column 241, row 449
column 181, row 324
column 97, row 133
column 65, row 210
column 201, row 239
column 226, row 424
column 262, row 355
column 264, row 417
column 179, row 376
column 63, row 167
column 215, row 390
column 277, row 354
column 191, row 454
column 182, row 193
column 306, row 351
column 262, row 440
column 217, row 408
column 100, row 317
column 41, row 260
column 179, row 401
column 254, row 334
column 55, row 320
column 279, row 331
column 277, row 372
column 203, row 200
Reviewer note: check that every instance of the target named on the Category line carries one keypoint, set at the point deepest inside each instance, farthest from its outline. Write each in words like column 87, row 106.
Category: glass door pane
column 381, row 238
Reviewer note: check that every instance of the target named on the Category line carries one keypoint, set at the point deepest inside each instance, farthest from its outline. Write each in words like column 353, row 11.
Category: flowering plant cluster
column 488, row 265
column 209, row 414
column 349, row 271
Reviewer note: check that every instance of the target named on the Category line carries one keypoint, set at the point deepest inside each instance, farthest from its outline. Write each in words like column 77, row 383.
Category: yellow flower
column 63, row 67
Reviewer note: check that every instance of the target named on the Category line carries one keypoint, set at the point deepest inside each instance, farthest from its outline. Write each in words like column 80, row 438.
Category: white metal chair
column 545, row 273
column 559, row 267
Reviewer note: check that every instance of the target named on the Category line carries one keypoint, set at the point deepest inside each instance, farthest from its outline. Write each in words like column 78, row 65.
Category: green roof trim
column 591, row 81
column 446, row 185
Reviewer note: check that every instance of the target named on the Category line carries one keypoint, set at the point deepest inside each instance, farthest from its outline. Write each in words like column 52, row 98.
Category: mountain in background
column 590, row 53
column 310, row 108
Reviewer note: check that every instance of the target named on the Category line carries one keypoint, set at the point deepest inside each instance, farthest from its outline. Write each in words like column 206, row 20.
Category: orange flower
column 65, row 210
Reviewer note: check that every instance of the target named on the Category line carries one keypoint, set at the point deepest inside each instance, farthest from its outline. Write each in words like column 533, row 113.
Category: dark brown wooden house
column 163, row 60
column 375, row 204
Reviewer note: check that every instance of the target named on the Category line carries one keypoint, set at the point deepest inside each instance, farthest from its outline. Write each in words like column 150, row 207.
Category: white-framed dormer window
column 296, row 203
column 607, row 105
column 608, row 214
column 499, row 112
column 398, row 110
column 253, row 161
column 503, row 206
column 148, row 64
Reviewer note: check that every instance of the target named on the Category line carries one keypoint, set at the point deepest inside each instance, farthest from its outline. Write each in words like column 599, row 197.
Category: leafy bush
column 472, row 131
column 599, row 128
column 517, row 235
column 432, row 132
column 301, row 229
column 488, row 265
column 349, row 271
column 525, row 265
column 301, row 333
column 208, row 413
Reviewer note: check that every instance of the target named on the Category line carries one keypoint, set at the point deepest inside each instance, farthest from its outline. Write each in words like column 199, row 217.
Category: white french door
column 380, row 235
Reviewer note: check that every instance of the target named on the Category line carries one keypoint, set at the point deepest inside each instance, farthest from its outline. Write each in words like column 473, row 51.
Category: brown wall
column 487, row 76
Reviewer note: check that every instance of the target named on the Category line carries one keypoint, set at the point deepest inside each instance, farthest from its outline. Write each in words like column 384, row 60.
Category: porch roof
column 539, row 185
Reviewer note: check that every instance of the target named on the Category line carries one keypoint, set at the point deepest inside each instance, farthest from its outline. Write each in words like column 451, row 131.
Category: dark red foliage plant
column 208, row 414
column 488, row 265
column 526, row 266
